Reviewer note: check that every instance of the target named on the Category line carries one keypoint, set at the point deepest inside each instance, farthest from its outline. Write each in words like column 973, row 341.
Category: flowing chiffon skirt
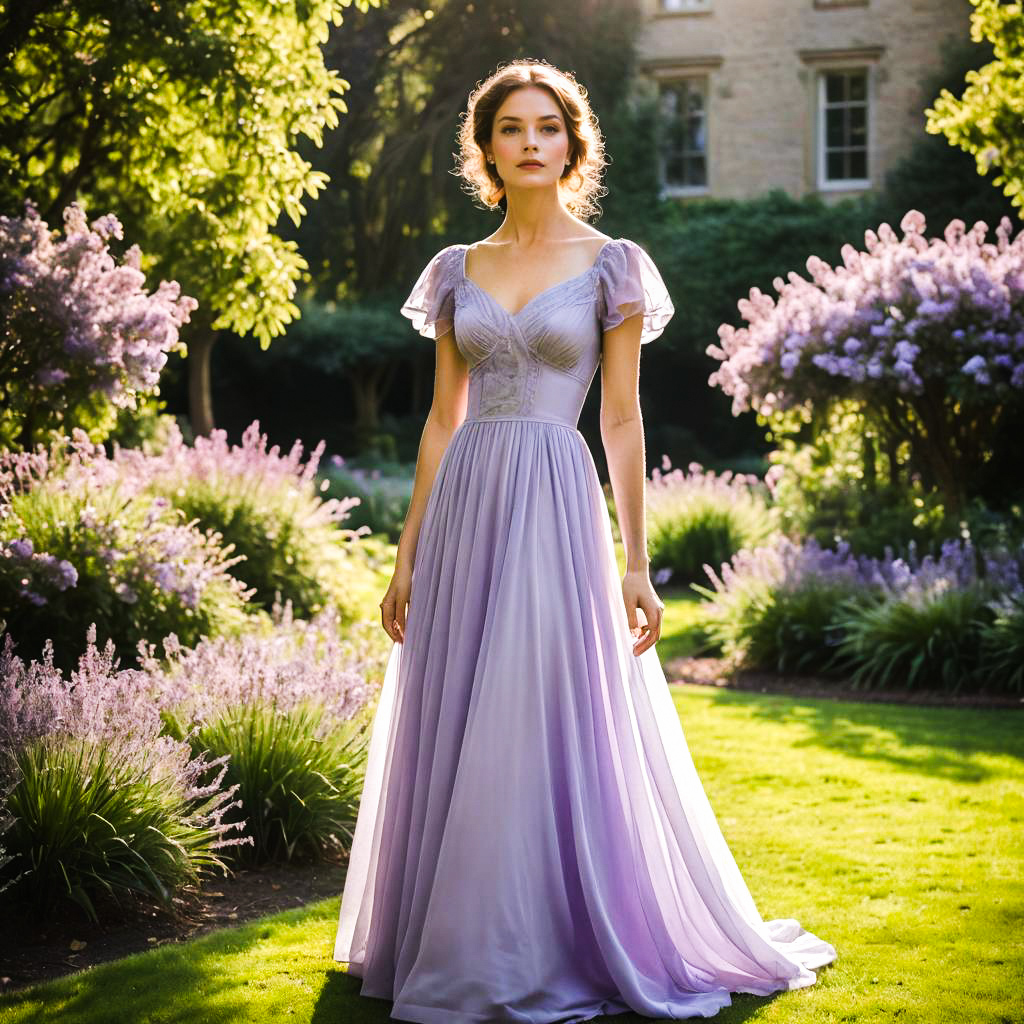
column 533, row 842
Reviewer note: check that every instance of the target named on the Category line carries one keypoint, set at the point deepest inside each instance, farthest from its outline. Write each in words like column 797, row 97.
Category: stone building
column 803, row 95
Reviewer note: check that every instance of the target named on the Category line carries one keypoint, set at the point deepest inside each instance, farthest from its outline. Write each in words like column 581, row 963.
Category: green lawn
column 892, row 832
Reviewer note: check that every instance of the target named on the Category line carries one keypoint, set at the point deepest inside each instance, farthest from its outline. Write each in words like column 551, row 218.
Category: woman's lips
column 531, row 166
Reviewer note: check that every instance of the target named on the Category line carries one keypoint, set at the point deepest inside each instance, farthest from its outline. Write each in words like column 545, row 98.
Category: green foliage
column 986, row 120
column 1002, row 643
column 183, row 122
column 837, row 480
column 781, row 629
column 87, row 824
column 299, row 783
column 912, row 641
column 705, row 526
column 383, row 501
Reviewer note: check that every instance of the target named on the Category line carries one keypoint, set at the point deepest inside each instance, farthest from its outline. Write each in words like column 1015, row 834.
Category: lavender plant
column 82, row 541
column 286, row 710
column 925, row 335
column 773, row 606
column 699, row 516
column 890, row 621
column 79, row 335
column 104, row 801
column 267, row 506
column 1002, row 641
column 929, row 627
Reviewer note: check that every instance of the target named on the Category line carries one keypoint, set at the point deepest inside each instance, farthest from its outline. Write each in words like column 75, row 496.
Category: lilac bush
column 925, row 335
column 697, row 516
column 102, row 798
column 77, row 329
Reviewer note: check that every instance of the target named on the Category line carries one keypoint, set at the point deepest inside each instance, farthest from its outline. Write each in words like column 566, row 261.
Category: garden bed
column 32, row 951
column 716, row 672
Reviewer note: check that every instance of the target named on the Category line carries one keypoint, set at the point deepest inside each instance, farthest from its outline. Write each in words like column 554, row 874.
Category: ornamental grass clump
column 268, row 507
column 82, row 542
column 699, row 516
column 103, row 802
column 935, row 624
column 285, row 710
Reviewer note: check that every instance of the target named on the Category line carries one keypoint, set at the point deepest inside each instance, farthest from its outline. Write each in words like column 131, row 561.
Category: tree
column 988, row 120
column 182, row 122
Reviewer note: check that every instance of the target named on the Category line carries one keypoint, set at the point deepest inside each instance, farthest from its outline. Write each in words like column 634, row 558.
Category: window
column 683, row 6
column 683, row 134
column 843, row 127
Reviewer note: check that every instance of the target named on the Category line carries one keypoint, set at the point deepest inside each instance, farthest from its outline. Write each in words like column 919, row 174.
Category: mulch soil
column 32, row 951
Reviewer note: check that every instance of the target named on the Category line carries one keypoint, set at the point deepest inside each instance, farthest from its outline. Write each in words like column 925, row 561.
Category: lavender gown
column 533, row 842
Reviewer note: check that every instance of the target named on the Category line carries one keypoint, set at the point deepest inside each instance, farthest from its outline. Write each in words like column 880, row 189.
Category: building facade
column 803, row 95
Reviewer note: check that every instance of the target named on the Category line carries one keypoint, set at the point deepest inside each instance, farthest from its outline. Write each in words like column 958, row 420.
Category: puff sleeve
column 431, row 303
column 629, row 284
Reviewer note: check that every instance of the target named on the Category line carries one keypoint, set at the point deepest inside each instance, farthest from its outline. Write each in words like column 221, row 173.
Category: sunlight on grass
column 892, row 832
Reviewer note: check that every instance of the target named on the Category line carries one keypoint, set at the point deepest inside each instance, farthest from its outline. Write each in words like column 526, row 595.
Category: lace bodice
column 540, row 361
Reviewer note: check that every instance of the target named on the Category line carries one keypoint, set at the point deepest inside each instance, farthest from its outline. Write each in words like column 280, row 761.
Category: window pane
column 858, row 86
column 834, row 166
column 834, row 128
column 695, row 137
column 858, row 118
column 697, row 173
column 834, row 88
column 858, row 163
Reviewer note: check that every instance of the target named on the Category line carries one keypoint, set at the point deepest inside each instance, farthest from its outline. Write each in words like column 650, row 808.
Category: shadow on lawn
column 340, row 1000
column 948, row 742
column 146, row 985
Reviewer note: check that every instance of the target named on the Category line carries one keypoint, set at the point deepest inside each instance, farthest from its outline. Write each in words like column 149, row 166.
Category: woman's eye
column 513, row 128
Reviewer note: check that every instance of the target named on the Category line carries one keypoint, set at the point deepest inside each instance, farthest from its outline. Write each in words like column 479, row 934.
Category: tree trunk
column 200, row 396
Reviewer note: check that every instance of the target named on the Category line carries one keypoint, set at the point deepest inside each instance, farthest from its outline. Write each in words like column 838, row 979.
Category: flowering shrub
column 107, row 770
column 81, row 541
column 927, row 336
column 103, row 801
column 890, row 621
column 698, row 516
column 77, row 331
column 266, row 505
column 285, row 709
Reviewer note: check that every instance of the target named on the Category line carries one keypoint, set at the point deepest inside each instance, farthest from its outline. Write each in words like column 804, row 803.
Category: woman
column 533, row 843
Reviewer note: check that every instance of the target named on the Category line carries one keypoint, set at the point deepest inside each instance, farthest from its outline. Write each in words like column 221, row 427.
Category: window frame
column 823, row 182
column 702, row 78
column 697, row 7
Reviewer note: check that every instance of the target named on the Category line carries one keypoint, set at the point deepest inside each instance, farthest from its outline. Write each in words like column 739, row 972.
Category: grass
column 892, row 832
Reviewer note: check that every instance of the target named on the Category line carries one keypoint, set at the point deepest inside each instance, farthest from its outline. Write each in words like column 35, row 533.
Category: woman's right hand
column 393, row 607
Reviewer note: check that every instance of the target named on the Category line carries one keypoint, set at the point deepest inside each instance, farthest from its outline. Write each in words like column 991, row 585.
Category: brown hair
column 580, row 182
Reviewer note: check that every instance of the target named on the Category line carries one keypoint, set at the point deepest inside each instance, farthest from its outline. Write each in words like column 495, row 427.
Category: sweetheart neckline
column 513, row 316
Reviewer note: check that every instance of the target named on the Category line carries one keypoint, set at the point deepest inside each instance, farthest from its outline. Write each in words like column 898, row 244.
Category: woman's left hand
column 638, row 592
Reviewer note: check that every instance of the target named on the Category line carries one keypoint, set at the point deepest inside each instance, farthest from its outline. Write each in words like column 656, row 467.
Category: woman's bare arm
column 622, row 433
column 447, row 411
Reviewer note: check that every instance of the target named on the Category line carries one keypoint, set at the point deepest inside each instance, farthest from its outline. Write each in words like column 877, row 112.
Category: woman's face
column 529, row 126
